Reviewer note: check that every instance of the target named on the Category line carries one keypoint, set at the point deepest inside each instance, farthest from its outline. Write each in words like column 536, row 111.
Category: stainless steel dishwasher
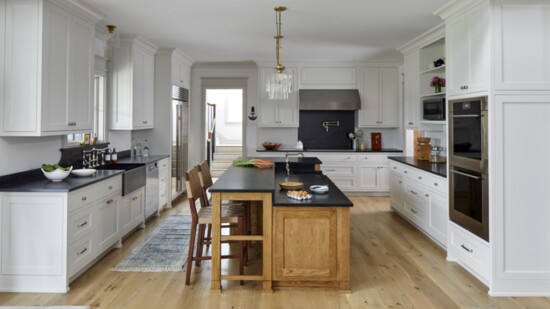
column 152, row 190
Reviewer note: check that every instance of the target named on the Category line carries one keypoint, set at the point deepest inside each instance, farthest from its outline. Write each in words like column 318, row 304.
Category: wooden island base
column 311, row 247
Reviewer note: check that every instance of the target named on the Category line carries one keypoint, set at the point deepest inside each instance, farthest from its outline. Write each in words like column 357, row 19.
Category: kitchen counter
column 331, row 150
column 35, row 181
column 141, row 160
column 439, row 169
column 333, row 198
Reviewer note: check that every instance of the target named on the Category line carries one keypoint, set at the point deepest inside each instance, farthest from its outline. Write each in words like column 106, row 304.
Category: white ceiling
column 243, row 30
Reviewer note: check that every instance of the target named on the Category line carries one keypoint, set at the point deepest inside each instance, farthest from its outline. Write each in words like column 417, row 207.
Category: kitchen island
column 305, row 243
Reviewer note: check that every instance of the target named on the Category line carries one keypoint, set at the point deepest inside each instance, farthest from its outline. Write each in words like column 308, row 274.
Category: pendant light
column 279, row 85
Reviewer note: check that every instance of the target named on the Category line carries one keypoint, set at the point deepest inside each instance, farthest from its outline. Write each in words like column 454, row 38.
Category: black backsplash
column 314, row 136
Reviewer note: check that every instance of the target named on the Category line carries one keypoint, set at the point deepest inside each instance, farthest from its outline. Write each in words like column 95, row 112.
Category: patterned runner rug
column 164, row 251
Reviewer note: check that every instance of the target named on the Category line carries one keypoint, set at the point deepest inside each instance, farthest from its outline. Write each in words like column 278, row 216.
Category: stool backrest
column 194, row 190
column 205, row 177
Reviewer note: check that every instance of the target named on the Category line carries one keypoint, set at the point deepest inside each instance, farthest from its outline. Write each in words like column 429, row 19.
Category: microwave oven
column 434, row 109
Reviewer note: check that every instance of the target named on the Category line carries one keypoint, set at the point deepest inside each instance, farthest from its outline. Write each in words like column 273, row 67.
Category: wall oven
column 468, row 160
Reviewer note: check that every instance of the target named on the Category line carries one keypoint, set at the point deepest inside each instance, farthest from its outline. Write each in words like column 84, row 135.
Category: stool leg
column 200, row 243
column 242, row 231
column 190, row 254
column 208, row 235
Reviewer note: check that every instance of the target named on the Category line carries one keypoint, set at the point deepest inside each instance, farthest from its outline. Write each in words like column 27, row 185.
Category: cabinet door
column 81, row 75
column 383, row 178
column 369, row 115
column 107, row 218
column 438, row 215
column 411, row 70
column 305, row 244
column 368, row 177
column 137, row 204
column 457, row 55
column 278, row 113
column 389, row 107
column 478, row 53
column 138, row 83
column 148, row 91
column 396, row 192
column 125, row 219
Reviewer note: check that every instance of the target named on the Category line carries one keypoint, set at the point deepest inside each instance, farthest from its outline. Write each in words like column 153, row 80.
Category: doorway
column 224, row 126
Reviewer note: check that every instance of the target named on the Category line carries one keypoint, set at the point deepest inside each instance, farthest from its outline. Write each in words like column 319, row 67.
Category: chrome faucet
column 288, row 154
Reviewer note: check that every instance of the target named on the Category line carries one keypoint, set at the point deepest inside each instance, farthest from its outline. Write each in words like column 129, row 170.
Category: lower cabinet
column 470, row 251
column 311, row 245
column 47, row 239
column 165, row 184
column 421, row 198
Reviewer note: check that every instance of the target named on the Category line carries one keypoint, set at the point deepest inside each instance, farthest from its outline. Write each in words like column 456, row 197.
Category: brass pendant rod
column 278, row 9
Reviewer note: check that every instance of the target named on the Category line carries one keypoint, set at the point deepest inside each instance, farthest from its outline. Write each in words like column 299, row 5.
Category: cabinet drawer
column 416, row 210
column 338, row 169
column 372, row 158
column 80, row 224
column 470, row 250
column 330, row 158
column 80, row 198
column 108, row 186
column 435, row 183
column 164, row 164
column 79, row 254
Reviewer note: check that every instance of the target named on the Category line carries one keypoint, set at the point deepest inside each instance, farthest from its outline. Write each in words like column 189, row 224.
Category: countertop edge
column 406, row 161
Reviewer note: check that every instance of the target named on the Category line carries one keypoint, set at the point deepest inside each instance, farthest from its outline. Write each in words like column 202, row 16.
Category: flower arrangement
column 437, row 82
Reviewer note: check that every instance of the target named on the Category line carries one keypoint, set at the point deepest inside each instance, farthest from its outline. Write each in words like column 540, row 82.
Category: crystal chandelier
column 279, row 85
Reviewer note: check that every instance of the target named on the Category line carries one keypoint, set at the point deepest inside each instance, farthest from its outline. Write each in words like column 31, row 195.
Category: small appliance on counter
column 376, row 140
column 435, row 156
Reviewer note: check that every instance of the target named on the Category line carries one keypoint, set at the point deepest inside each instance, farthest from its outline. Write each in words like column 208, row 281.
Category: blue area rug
column 164, row 251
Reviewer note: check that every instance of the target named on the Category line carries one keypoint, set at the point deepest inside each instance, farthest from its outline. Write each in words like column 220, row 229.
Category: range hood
column 334, row 100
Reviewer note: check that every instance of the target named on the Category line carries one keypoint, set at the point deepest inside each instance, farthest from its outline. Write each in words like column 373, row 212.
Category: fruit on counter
column 259, row 163
column 53, row 167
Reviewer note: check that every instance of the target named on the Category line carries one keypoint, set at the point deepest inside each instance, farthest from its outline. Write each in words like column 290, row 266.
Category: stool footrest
column 242, row 237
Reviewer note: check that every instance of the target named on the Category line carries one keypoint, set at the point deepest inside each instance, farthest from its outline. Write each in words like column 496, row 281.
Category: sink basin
column 133, row 177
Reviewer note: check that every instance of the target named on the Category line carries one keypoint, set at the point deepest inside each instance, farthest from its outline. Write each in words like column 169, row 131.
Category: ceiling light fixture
column 110, row 32
column 279, row 85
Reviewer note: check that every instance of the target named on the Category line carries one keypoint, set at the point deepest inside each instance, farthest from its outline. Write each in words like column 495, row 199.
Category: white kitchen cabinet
column 181, row 70
column 522, row 39
column 374, row 174
column 467, row 38
column 325, row 77
column 422, row 198
column 379, row 97
column 130, row 213
column 133, row 84
column 278, row 113
column 48, row 68
column 165, row 181
column 411, row 90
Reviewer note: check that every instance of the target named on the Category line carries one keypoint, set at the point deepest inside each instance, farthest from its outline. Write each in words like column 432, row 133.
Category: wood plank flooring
column 392, row 266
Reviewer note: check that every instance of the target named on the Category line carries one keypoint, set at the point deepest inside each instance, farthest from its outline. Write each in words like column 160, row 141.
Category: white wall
column 20, row 154
column 247, row 70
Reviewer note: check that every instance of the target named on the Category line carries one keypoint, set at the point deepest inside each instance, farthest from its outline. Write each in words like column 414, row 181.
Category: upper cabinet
column 47, row 67
column 468, row 51
column 278, row 113
column 379, row 97
column 133, row 84
column 325, row 77
column 411, row 98
column 181, row 70
column 522, row 38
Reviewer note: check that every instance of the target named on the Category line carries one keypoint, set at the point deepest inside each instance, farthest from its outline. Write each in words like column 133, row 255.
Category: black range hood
column 333, row 99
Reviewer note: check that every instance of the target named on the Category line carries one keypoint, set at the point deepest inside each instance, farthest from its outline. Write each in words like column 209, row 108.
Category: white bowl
column 84, row 172
column 319, row 188
column 57, row 175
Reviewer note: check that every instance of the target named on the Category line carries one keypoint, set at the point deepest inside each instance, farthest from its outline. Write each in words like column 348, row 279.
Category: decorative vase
column 437, row 89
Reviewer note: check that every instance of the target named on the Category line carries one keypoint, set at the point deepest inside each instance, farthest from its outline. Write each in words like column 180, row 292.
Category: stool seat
column 230, row 214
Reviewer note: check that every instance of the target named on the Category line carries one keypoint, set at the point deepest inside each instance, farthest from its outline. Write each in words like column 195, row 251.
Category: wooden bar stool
column 234, row 215
column 206, row 183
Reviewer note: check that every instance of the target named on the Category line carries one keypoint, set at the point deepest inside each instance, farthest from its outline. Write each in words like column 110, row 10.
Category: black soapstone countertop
column 35, row 181
column 331, row 150
column 141, row 160
column 439, row 169
column 251, row 179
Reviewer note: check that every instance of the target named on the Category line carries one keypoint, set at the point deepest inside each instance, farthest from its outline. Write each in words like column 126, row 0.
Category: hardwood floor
column 392, row 266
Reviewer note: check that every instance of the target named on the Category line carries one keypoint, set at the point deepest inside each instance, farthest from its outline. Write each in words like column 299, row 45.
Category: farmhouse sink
column 133, row 177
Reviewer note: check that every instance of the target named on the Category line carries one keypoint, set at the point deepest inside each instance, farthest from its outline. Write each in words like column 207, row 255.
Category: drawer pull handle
column 419, row 177
column 400, row 181
column 84, row 198
column 395, row 167
column 405, row 172
column 82, row 224
column 134, row 198
column 110, row 187
column 330, row 170
column 414, row 211
column 144, row 122
column 467, row 249
column 413, row 192
column 436, row 184
column 427, row 195
column 72, row 123
column 110, row 201
column 82, row 252
column 410, row 123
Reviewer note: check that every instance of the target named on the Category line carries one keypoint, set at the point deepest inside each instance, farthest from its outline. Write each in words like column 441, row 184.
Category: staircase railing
column 211, row 138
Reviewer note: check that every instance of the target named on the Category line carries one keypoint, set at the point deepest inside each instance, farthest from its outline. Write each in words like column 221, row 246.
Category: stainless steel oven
column 468, row 160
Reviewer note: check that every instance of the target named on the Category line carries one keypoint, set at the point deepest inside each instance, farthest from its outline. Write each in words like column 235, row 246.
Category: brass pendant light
column 280, row 84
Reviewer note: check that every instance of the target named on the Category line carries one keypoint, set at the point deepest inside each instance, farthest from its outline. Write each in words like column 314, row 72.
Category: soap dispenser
column 300, row 145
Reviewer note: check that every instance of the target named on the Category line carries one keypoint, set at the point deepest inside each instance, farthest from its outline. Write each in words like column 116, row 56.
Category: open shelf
column 439, row 69
column 439, row 94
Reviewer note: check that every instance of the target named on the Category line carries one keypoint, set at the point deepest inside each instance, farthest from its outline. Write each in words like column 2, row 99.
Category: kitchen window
column 99, row 113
